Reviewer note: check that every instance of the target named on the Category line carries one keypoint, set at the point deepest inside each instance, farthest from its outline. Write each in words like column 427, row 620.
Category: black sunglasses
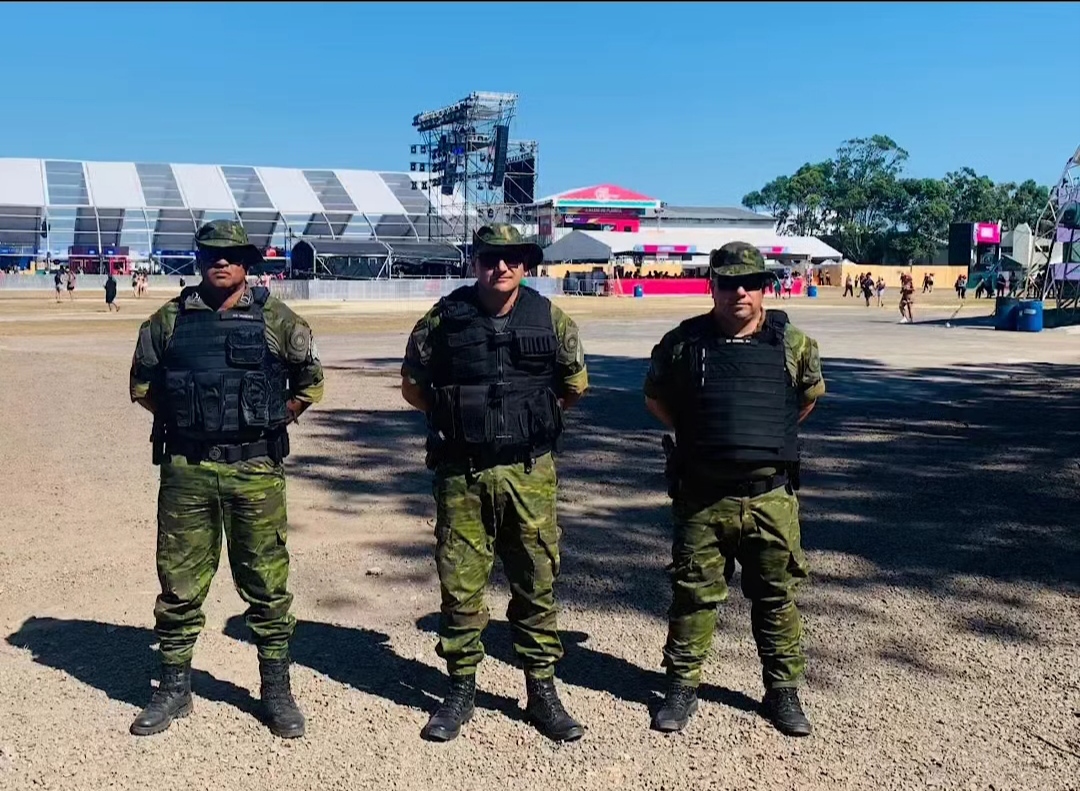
column 234, row 257
column 746, row 282
column 490, row 260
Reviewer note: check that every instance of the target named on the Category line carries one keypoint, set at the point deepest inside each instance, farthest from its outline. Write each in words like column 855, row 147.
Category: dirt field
column 939, row 513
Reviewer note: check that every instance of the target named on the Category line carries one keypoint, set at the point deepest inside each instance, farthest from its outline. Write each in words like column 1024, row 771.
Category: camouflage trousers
column 195, row 503
column 763, row 534
column 507, row 511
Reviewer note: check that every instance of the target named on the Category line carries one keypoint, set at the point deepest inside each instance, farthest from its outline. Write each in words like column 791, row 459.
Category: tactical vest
column 494, row 391
column 221, row 383
column 737, row 402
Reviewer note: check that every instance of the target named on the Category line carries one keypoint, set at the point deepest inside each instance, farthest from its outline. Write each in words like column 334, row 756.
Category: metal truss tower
column 466, row 146
column 519, row 186
column 1058, row 229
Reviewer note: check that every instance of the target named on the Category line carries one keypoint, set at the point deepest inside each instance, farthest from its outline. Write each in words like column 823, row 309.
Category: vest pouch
column 245, row 349
column 534, row 352
column 210, row 398
column 276, row 408
column 475, row 414
column 255, row 400
column 534, row 345
column 180, row 398
column 556, row 412
column 536, row 416
column 469, row 353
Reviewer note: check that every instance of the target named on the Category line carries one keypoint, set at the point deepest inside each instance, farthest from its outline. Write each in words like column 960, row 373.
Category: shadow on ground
column 931, row 473
column 586, row 667
column 116, row 659
column 377, row 455
column 365, row 660
column 927, row 473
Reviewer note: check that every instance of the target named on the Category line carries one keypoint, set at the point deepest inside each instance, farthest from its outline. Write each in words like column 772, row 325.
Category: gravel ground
column 939, row 514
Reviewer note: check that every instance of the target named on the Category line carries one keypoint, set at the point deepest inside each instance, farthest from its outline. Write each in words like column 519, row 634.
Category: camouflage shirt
column 288, row 336
column 800, row 354
column 569, row 362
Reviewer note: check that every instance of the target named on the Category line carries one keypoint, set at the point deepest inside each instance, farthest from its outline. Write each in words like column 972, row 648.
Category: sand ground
column 939, row 513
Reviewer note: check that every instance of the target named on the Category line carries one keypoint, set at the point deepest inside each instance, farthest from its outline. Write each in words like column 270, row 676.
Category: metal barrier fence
column 84, row 283
column 428, row 290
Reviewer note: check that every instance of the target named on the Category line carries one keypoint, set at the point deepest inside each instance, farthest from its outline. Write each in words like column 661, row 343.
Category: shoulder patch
column 299, row 341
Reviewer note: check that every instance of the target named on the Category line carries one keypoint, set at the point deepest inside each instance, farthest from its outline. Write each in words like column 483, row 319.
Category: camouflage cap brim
column 740, row 270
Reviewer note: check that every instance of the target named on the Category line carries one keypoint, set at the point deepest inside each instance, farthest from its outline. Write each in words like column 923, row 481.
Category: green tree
column 974, row 198
column 866, row 192
column 1022, row 203
column 923, row 215
column 862, row 204
column 796, row 202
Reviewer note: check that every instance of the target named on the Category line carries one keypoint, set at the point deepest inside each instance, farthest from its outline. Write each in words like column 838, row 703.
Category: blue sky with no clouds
column 693, row 103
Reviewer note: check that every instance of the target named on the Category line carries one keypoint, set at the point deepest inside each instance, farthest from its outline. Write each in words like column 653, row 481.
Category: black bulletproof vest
column 221, row 382
column 737, row 400
column 495, row 390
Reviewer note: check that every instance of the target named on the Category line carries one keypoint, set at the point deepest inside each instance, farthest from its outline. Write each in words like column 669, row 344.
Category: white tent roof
column 130, row 185
column 707, row 239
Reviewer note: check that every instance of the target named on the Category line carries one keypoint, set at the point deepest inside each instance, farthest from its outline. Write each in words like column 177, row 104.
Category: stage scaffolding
column 470, row 169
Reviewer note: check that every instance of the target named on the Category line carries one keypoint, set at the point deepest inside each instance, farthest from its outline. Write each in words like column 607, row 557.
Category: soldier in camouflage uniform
column 493, row 366
column 734, row 384
column 224, row 368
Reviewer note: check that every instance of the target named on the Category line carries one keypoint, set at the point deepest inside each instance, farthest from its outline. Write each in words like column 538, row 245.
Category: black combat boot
column 680, row 704
column 781, row 707
column 172, row 699
column 457, row 709
column 547, row 713
column 282, row 715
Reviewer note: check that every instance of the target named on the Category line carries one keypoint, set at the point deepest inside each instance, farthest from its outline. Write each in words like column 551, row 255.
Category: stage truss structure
column 1058, row 229
column 474, row 173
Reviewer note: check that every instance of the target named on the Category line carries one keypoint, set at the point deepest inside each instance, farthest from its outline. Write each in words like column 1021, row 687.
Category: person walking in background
column 907, row 296
column 110, row 294
column 961, row 287
column 880, row 285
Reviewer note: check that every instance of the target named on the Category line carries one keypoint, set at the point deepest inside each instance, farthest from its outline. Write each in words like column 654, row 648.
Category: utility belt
column 752, row 488
column 476, row 458
column 276, row 448
column 682, row 480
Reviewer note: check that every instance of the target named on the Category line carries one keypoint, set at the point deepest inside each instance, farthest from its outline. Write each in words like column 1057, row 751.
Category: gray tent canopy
column 363, row 259
column 577, row 246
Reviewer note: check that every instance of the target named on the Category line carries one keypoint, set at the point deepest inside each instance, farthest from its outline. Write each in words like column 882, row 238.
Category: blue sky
column 690, row 103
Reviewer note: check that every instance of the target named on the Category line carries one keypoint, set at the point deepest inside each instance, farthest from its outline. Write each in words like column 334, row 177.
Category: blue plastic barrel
column 1006, row 311
column 1030, row 317
column 639, row 290
column 811, row 291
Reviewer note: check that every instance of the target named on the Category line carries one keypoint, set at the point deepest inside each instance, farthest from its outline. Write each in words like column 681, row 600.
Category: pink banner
column 667, row 286
column 683, row 286
column 987, row 233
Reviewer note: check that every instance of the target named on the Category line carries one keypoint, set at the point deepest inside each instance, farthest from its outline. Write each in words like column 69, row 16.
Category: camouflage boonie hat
column 737, row 259
column 500, row 237
column 228, row 234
